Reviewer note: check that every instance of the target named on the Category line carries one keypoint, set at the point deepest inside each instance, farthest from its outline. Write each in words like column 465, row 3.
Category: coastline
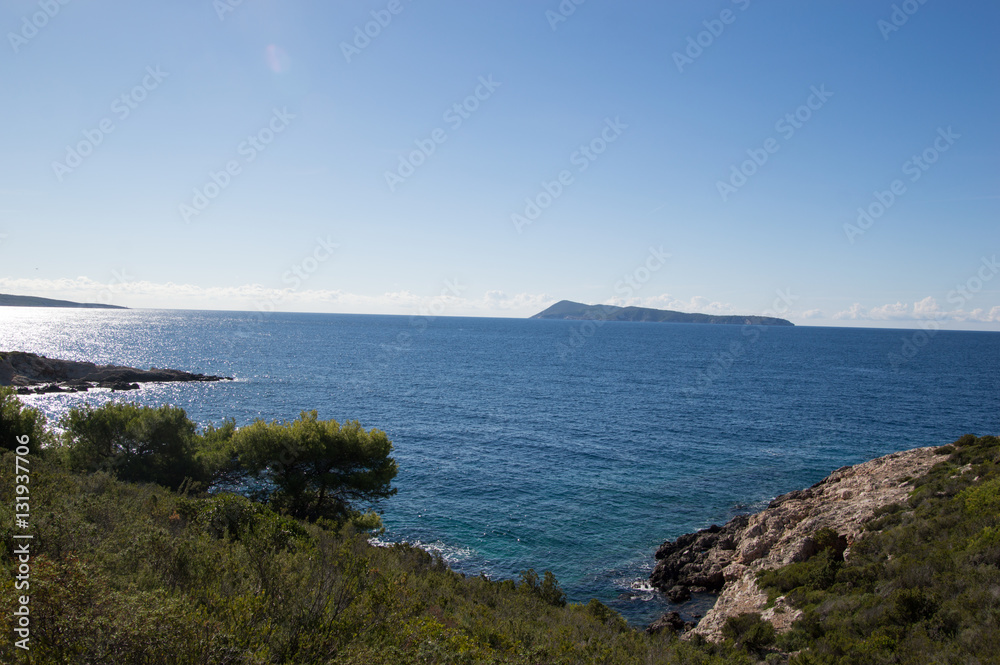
column 726, row 560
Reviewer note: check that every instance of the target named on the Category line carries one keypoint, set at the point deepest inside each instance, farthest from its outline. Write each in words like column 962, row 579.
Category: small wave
column 635, row 589
column 450, row 553
column 642, row 585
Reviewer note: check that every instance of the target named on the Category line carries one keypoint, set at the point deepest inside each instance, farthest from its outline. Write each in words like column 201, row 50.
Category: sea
column 576, row 447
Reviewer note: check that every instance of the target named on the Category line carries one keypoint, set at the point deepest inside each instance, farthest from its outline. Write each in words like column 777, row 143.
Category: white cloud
column 253, row 297
column 978, row 314
column 499, row 300
column 925, row 309
column 856, row 312
column 894, row 312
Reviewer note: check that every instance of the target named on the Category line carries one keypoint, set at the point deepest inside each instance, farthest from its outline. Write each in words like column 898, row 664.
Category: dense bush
column 136, row 443
column 548, row 589
column 750, row 632
column 18, row 421
column 315, row 468
column 308, row 468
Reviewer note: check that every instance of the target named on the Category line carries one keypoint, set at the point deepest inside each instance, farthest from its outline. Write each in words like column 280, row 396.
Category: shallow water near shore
column 556, row 445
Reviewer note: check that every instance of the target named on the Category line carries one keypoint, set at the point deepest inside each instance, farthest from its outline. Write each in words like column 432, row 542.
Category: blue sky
column 647, row 111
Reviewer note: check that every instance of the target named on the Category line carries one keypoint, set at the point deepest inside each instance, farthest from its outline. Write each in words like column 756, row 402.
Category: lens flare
column 277, row 60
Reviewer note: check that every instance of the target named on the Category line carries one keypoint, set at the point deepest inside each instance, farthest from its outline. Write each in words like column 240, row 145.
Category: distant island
column 567, row 309
column 7, row 300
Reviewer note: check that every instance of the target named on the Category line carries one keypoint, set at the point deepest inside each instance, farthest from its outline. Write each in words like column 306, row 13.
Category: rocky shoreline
column 29, row 373
column 726, row 560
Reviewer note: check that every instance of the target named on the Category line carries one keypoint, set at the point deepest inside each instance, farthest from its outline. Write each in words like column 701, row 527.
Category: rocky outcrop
column 31, row 373
column 670, row 622
column 726, row 559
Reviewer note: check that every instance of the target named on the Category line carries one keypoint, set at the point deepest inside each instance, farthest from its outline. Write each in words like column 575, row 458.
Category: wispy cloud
column 922, row 310
column 250, row 296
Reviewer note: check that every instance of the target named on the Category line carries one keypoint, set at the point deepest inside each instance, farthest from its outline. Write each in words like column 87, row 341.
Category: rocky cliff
column 726, row 560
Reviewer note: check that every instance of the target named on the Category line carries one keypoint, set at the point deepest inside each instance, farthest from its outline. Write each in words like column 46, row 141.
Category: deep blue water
column 556, row 445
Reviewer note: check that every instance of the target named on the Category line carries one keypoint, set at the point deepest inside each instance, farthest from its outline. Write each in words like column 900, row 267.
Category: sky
column 830, row 162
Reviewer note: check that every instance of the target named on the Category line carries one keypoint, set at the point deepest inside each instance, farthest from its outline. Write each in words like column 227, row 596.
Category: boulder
column 670, row 622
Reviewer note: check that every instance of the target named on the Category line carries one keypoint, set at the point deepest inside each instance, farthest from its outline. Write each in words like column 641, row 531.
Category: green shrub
column 817, row 572
column 16, row 421
column 983, row 500
column 548, row 589
column 827, row 539
column 910, row 606
column 316, row 468
column 749, row 632
column 135, row 443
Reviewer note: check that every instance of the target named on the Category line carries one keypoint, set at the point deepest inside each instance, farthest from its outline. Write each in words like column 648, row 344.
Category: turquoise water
column 553, row 444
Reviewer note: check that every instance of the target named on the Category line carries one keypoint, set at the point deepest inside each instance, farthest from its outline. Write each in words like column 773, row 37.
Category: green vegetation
column 750, row 632
column 308, row 468
column 134, row 562
column 318, row 468
column 16, row 421
column 141, row 444
column 133, row 573
column 922, row 585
